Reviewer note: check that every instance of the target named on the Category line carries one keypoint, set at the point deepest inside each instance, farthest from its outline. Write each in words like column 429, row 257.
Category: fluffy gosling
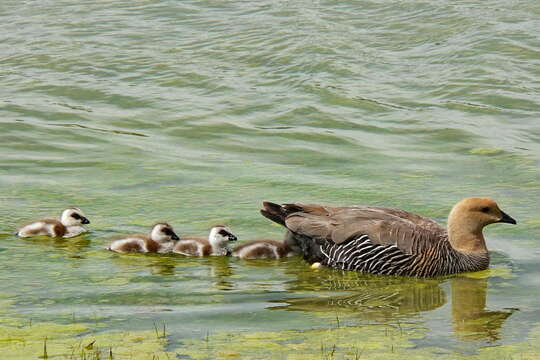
column 70, row 224
column 161, row 239
column 217, row 243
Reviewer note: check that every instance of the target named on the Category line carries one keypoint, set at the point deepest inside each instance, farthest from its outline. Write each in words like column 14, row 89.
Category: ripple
column 195, row 111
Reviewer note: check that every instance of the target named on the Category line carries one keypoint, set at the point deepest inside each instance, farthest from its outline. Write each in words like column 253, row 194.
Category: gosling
column 70, row 224
column 267, row 249
column 161, row 240
column 217, row 243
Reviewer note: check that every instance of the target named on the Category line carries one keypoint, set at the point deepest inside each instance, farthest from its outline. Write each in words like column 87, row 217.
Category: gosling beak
column 507, row 219
column 85, row 221
column 174, row 237
column 232, row 238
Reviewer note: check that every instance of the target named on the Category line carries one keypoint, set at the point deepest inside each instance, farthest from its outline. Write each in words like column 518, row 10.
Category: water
column 193, row 112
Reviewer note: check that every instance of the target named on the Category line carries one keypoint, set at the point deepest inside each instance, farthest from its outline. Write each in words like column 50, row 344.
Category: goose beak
column 174, row 237
column 232, row 238
column 507, row 219
column 85, row 221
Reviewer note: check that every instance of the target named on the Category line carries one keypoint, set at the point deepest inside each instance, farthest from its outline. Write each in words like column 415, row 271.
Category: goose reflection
column 470, row 319
column 392, row 299
column 367, row 296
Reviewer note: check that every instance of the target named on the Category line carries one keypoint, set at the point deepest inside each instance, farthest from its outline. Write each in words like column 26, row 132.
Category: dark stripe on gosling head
column 228, row 235
column 169, row 232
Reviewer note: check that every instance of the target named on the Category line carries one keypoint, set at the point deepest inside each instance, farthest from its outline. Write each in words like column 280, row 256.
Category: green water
column 193, row 112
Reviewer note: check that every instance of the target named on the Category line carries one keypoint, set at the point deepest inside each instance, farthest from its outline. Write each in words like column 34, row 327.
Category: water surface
column 193, row 112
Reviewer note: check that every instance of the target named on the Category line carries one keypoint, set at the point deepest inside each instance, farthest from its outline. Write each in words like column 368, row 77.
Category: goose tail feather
column 274, row 212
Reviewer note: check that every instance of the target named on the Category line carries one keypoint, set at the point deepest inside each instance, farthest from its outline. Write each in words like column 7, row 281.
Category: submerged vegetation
column 193, row 112
column 364, row 317
column 344, row 342
column 80, row 342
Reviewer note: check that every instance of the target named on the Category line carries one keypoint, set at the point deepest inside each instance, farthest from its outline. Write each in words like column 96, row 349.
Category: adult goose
column 391, row 241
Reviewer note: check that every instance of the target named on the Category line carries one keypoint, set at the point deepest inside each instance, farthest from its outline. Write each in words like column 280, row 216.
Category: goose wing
column 384, row 226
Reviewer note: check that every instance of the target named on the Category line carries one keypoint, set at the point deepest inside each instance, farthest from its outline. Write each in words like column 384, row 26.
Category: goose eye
column 76, row 216
column 485, row 209
column 167, row 231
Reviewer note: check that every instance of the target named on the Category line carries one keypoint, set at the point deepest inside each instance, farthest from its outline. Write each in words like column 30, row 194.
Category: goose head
column 162, row 233
column 73, row 216
column 467, row 219
column 220, row 236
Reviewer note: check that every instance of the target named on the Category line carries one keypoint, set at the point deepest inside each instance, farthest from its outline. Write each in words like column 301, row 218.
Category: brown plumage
column 70, row 224
column 263, row 249
column 134, row 243
column 391, row 241
column 217, row 243
column 57, row 229
column 161, row 239
column 193, row 246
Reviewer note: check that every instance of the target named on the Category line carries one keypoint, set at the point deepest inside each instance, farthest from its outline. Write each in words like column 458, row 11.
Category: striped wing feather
column 360, row 254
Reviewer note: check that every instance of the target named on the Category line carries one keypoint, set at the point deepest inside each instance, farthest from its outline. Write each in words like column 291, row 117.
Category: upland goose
column 70, row 224
column 391, row 241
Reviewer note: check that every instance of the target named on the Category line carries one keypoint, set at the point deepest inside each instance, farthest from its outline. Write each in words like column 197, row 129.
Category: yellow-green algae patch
column 352, row 342
column 373, row 342
column 501, row 271
column 77, row 341
column 486, row 151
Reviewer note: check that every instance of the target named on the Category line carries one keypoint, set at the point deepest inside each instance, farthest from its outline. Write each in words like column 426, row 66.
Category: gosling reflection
column 162, row 269
column 221, row 271
column 389, row 299
column 156, row 264
column 470, row 319
column 73, row 247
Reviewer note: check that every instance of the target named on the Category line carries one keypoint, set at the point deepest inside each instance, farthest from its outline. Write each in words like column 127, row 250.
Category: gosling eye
column 76, row 216
column 223, row 233
column 485, row 209
column 167, row 232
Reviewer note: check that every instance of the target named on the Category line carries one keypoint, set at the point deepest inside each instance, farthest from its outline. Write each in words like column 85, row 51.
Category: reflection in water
column 370, row 297
column 73, row 246
column 158, row 264
column 162, row 269
column 215, row 268
column 221, row 270
column 470, row 319
column 390, row 299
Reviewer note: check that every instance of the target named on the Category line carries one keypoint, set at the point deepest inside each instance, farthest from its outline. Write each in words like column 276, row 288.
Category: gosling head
column 162, row 233
column 220, row 235
column 472, row 214
column 73, row 216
